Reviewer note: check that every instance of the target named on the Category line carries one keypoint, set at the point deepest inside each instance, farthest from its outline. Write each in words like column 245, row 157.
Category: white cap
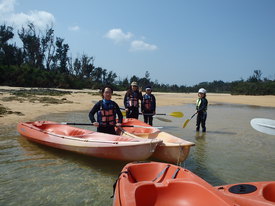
column 202, row 90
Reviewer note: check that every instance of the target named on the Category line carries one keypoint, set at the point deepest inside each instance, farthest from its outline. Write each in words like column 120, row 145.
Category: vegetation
column 43, row 61
column 4, row 111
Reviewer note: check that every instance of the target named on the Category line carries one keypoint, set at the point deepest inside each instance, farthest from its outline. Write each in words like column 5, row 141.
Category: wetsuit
column 148, row 107
column 106, row 115
column 131, row 102
column 201, row 107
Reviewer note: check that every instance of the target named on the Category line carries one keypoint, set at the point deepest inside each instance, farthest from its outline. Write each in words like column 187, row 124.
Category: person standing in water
column 148, row 106
column 131, row 101
column 106, row 110
column 201, row 107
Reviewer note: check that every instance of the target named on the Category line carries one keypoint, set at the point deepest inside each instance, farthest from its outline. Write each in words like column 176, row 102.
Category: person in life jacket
column 106, row 110
column 131, row 101
column 201, row 107
column 148, row 106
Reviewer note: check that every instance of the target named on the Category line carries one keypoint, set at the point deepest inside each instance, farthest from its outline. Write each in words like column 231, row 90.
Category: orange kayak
column 88, row 142
column 172, row 149
column 162, row 184
column 251, row 193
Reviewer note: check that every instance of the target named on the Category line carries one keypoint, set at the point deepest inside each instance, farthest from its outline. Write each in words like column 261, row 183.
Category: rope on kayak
column 114, row 185
column 180, row 153
column 152, row 148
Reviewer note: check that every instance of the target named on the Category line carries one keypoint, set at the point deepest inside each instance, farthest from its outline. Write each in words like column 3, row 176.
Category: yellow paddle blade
column 176, row 114
column 185, row 123
column 123, row 113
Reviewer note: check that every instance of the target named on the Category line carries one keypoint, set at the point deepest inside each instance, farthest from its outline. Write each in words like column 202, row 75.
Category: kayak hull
column 173, row 153
column 162, row 184
column 172, row 149
column 87, row 142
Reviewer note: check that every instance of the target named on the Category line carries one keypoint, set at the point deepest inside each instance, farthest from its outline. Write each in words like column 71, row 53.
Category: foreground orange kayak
column 172, row 149
column 162, row 184
column 88, row 142
column 251, row 193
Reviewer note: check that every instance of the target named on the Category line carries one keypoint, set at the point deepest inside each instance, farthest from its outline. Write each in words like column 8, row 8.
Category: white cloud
column 7, row 6
column 138, row 45
column 39, row 18
column 118, row 35
column 74, row 28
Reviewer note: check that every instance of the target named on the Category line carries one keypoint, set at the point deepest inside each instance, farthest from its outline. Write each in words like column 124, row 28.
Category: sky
column 181, row 42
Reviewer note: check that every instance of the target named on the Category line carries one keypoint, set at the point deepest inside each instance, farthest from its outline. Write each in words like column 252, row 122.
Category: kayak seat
column 176, row 193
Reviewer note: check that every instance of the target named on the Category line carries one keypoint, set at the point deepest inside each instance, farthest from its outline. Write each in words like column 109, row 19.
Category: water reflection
column 229, row 152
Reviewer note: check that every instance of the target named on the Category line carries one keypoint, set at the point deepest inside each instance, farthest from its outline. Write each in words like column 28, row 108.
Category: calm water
column 230, row 152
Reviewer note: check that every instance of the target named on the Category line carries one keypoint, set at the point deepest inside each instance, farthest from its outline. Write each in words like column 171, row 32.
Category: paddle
column 188, row 120
column 90, row 124
column 159, row 118
column 263, row 125
column 173, row 114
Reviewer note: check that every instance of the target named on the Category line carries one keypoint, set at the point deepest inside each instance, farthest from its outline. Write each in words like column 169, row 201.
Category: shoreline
column 82, row 100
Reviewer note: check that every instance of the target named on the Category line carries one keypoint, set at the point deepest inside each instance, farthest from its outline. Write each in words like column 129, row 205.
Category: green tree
column 8, row 52
column 256, row 77
column 60, row 60
column 33, row 55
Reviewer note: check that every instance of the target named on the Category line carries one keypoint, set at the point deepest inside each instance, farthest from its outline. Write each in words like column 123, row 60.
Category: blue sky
column 182, row 42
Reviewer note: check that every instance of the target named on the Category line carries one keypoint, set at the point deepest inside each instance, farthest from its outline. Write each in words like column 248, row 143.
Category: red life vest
column 107, row 116
column 147, row 102
column 133, row 99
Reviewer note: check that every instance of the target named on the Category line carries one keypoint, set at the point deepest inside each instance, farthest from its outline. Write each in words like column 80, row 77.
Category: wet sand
column 82, row 100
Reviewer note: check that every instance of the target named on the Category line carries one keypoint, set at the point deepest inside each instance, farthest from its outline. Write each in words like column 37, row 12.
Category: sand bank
column 82, row 100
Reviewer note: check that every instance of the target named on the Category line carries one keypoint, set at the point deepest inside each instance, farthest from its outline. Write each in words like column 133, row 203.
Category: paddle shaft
column 87, row 124
column 173, row 114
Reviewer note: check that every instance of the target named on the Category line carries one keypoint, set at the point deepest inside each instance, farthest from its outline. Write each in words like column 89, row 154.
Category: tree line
column 43, row 61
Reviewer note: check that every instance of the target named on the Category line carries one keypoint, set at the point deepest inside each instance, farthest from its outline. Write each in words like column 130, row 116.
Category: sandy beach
column 82, row 100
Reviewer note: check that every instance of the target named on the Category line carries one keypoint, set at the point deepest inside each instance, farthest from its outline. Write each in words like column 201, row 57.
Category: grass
column 33, row 92
column 49, row 100
column 32, row 95
column 4, row 111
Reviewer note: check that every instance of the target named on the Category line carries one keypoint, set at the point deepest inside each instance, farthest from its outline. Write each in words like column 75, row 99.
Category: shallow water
column 230, row 152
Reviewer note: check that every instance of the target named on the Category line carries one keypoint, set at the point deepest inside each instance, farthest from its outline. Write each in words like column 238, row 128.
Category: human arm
column 94, row 110
column 154, row 104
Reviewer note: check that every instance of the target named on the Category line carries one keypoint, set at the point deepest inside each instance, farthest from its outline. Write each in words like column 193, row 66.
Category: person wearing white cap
column 201, row 107
column 131, row 101
column 148, row 106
